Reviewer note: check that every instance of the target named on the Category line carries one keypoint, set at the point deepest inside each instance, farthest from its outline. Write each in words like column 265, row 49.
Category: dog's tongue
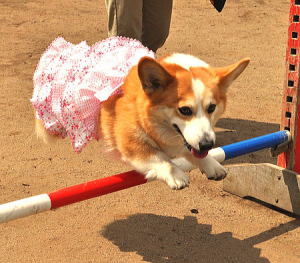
column 198, row 155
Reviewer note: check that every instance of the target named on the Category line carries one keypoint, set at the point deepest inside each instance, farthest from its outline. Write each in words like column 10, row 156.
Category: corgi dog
column 162, row 123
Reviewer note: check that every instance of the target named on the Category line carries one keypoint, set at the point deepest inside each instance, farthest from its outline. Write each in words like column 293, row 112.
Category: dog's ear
column 152, row 75
column 227, row 75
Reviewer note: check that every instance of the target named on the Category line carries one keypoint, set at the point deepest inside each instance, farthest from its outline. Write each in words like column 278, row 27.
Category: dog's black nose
column 205, row 145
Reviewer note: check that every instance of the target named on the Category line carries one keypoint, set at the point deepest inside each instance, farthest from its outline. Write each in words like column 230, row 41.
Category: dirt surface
column 148, row 223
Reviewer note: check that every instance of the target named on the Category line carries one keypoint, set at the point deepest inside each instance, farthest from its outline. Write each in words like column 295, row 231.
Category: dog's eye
column 211, row 108
column 186, row 111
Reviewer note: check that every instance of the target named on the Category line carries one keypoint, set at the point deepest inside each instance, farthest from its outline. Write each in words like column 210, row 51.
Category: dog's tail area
column 43, row 134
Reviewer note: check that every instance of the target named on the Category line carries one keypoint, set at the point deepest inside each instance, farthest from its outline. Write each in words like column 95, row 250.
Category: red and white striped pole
column 44, row 202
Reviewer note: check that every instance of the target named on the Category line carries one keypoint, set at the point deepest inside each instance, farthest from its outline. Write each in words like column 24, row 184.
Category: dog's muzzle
column 204, row 146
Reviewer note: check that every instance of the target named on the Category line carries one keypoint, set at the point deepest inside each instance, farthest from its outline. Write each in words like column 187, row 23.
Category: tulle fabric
column 71, row 81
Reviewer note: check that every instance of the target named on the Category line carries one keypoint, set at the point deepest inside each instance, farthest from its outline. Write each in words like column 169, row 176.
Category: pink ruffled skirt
column 71, row 81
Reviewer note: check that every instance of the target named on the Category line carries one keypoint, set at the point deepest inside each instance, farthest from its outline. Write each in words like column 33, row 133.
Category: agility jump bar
column 73, row 194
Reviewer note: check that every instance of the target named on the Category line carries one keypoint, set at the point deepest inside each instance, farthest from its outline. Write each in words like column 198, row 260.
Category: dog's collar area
column 195, row 152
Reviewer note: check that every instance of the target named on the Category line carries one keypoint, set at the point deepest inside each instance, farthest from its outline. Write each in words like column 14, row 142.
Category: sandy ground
column 148, row 223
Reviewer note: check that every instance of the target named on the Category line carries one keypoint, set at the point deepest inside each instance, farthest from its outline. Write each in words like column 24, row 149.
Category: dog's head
column 187, row 96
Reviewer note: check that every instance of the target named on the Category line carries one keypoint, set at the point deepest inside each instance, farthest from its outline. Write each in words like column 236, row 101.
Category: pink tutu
column 71, row 81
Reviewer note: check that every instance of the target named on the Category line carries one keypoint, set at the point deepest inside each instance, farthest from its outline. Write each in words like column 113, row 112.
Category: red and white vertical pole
column 290, row 119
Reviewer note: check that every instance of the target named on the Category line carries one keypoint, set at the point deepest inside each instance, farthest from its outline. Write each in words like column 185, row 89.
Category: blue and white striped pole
column 251, row 145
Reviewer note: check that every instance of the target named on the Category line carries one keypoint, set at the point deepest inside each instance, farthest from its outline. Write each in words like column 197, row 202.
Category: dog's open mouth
column 195, row 152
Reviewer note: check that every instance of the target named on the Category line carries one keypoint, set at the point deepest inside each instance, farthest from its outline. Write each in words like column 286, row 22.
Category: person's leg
column 156, row 22
column 125, row 18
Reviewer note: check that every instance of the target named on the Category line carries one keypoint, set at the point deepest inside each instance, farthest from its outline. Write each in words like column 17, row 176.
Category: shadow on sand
column 163, row 239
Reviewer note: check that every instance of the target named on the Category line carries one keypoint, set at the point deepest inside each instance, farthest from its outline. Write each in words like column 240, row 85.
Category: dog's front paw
column 177, row 180
column 174, row 177
column 213, row 170
column 218, row 172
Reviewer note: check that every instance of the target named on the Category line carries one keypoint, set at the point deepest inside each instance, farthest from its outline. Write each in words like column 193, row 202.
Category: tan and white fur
column 165, row 118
